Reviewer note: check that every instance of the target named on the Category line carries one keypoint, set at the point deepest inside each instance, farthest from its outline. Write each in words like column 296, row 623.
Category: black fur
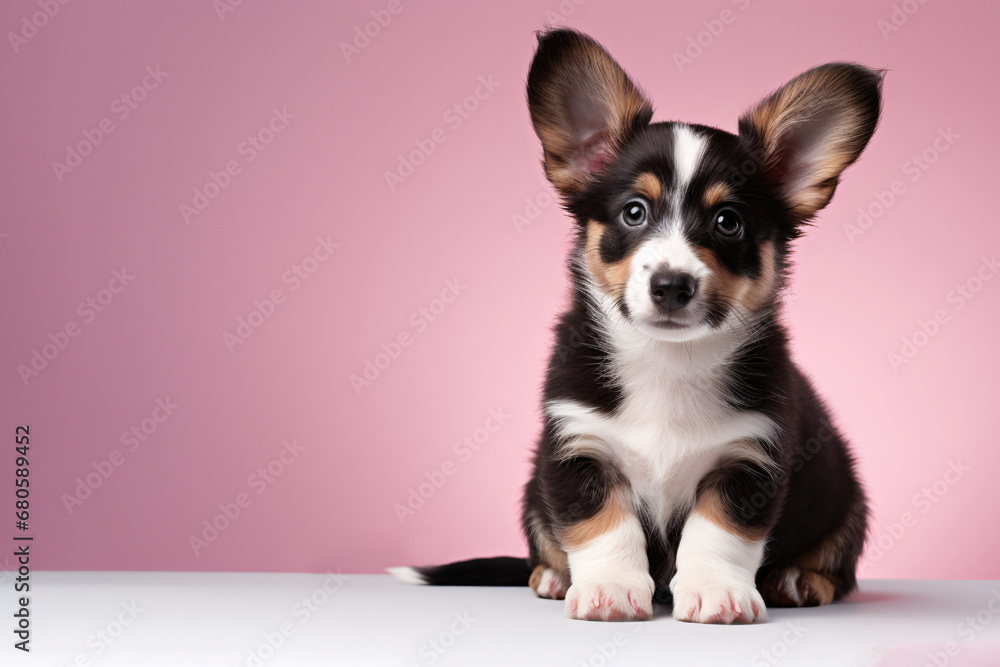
column 499, row 571
column 802, row 490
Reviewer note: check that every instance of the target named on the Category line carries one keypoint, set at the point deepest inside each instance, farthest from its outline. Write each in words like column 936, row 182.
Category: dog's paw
column 549, row 583
column 708, row 601
column 611, row 600
column 553, row 585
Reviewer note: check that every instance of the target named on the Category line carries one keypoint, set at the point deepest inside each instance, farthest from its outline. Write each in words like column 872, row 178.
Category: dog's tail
column 499, row 571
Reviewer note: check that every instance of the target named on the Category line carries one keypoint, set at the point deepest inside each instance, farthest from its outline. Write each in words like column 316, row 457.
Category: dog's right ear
column 583, row 106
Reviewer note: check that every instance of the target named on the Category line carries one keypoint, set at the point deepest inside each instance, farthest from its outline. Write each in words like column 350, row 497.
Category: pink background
column 332, row 507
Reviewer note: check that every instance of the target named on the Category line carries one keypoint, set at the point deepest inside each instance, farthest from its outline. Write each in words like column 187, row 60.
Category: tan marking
column 648, row 185
column 760, row 291
column 583, row 532
column 813, row 589
column 828, row 555
column 824, row 558
column 818, row 92
column 536, row 576
column 610, row 277
column 553, row 556
column 717, row 193
column 816, row 588
column 720, row 280
column 816, row 585
column 750, row 293
column 709, row 505
column 550, row 554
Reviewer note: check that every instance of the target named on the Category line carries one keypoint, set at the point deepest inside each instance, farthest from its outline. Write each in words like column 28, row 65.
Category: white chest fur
column 673, row 425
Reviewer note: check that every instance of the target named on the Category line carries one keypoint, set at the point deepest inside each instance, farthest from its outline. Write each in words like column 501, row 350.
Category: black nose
column 672, row 291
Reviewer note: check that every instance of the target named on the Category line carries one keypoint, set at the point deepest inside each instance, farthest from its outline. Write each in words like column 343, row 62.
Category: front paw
column 701, row 599
column 611, row 600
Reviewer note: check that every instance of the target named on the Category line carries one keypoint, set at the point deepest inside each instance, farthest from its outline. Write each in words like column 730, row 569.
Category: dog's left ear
column 812, row 128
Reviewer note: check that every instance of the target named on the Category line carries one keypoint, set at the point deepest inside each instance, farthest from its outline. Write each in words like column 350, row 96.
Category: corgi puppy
column 684, row 458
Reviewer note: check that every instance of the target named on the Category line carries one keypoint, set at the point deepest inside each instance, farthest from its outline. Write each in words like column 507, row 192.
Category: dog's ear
column 811, row 129
column 583, row 106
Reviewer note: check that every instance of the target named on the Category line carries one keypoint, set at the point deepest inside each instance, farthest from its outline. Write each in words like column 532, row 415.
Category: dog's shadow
column 874, row 597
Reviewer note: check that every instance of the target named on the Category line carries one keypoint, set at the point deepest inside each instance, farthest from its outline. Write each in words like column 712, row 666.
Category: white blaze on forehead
column 688, row 149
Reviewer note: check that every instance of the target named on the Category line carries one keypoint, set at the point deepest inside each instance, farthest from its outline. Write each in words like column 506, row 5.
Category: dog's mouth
column 671, row 327
column 669, row 324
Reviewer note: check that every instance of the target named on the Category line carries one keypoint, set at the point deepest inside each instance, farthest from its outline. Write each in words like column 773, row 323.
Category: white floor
column 251, row 620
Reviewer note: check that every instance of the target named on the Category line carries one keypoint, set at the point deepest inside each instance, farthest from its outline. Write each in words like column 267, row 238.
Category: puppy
column 684, row 457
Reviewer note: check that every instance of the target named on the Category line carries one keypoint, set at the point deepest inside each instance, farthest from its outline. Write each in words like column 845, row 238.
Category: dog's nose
column 672, row 291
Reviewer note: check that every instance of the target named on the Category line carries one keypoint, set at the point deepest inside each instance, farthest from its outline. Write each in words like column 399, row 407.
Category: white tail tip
column 407, row 574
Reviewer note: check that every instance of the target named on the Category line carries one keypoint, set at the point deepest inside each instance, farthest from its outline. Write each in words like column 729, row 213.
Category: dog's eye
column 728, row 223
column 634, row 213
